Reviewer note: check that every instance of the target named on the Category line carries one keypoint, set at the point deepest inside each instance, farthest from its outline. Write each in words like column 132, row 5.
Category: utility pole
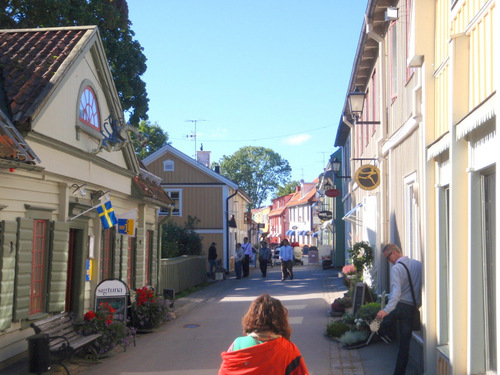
column 195, row 135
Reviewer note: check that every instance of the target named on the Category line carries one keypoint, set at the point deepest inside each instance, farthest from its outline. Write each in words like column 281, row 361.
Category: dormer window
column 168, row 166
column 89, row 111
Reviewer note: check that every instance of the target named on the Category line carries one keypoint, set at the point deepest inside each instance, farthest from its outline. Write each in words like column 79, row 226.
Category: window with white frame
column 411, row 248
column 176, row 196
column 444, row 265
column 168, row 165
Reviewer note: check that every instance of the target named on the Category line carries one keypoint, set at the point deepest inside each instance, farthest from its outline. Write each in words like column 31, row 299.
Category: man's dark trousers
column 246, row 265
column 403, row 313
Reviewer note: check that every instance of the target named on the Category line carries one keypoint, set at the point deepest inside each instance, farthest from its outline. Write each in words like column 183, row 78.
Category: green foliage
column 288, row 188
column 366, row 314
column 348, row 319
column 180, row 240
column 353, row 337
column 157, row 139
column 125, row 55
column 336, row 328
column 361, row 255
column 258, row 171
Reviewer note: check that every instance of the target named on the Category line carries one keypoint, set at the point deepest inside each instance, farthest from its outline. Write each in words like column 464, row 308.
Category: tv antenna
column 194, row 135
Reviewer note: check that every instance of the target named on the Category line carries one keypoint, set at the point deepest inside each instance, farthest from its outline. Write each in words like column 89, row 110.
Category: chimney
column 217, row 169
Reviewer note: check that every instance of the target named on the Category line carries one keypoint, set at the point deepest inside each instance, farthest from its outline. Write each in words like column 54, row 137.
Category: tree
column 288, row 188
column 258, row 171
column 125, row 55
column 157, row 139
column 180, row 240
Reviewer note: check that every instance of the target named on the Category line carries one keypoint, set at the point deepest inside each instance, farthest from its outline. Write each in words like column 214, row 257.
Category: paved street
column 209, row 320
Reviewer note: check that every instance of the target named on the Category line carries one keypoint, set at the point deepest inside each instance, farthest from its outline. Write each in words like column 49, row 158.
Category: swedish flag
column 107, row 215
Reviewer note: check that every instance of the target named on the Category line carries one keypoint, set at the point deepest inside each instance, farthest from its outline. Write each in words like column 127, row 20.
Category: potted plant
column 149, row 310
column 361, row 255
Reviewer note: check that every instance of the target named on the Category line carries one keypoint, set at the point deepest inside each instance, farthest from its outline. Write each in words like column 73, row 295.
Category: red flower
column 89, row 316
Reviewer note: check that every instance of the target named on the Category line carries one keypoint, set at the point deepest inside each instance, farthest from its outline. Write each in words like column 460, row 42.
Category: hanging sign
column 368, row 177
column 332, row 193
column 325, row 215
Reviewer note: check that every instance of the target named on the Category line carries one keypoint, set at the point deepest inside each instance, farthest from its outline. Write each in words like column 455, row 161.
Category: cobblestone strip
column 342, row 361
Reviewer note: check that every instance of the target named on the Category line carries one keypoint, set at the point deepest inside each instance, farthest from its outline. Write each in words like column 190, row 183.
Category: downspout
column 227, row 228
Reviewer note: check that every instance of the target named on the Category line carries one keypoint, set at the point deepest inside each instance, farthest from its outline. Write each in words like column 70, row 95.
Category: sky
column 264, row 73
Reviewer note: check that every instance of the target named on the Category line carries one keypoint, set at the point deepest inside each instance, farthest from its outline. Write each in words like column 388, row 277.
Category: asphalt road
column 209, row 320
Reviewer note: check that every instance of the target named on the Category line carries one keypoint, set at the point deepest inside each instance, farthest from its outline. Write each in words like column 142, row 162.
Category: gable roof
column 301, row 198
column 13, row 146
column 172, row 150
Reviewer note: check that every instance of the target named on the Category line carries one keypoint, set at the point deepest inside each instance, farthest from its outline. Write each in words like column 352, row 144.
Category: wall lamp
column 336, row 164
column 356, row 101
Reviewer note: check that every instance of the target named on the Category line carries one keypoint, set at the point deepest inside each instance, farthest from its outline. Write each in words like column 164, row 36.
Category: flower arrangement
column 149, row 310
column 361, row 255
column 349, row 270
column 112, row 326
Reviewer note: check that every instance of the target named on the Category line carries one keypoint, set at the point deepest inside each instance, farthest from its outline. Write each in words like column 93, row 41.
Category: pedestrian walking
column 400, row 308
column 248, row 250
column 239, row 256
column 212, row 259
column 286, row 256
column 264, row 257
column 265, row 347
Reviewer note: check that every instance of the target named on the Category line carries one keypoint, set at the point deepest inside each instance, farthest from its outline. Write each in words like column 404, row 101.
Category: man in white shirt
column 248, row 251
column 401, row 307
column 286, row 256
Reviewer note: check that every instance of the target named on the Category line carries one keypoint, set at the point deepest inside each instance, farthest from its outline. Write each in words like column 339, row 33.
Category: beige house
column 63, row 152
column 202, row 193
column 428, row 70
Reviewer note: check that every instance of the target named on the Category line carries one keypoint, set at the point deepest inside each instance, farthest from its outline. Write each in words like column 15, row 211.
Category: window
column 89, row 111
column 176, row 196
column 168, row 166
column 411, row 248
column 444, row 266
column 488, row 204
column 130, row 261
column 393, row 60
column 39, row 257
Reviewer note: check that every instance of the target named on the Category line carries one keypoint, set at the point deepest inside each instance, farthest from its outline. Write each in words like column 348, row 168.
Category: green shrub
column 348, row 319
column 336, row 328
column 353, row 337
column 366, row 314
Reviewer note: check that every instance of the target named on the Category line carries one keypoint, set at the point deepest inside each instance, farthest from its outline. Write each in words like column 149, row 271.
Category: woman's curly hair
column 267, row 314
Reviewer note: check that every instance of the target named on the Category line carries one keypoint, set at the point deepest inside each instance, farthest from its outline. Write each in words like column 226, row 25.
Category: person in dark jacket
column 212, row 259
column 264, row 257
column 266, row 347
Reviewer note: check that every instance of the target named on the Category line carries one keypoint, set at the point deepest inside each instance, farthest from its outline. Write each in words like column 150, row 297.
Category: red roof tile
column 28, row 61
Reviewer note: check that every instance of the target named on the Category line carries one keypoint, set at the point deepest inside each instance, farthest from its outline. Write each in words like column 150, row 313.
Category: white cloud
column 297, row 140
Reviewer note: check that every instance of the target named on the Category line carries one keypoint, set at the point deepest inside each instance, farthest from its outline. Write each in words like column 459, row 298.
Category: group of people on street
column 265, row 347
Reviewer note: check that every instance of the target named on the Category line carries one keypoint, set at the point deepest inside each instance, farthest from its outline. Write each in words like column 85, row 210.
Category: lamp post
column 356, row 101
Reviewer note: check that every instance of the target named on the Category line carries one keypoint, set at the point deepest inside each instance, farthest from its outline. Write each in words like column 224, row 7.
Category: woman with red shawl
column 266, row 347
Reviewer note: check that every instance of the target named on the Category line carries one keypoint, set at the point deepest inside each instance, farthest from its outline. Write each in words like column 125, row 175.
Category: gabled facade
column 278, row 219
column 58, row 96
column 201, row 193
column 300, row 214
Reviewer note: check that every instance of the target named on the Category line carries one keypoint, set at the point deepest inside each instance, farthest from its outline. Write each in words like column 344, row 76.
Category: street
column 192, row 343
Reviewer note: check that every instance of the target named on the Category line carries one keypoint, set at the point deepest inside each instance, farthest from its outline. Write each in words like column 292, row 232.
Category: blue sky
column 267, row 73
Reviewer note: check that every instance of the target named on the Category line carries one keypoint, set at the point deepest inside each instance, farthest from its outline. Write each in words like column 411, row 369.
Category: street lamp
column 335, row 165
column 356, row 101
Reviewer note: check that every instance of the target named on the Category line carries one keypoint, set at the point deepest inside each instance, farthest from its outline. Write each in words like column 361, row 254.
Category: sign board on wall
column 368, row 177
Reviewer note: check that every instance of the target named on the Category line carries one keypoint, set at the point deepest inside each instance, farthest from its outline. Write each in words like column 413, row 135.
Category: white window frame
column 411, row 248
column 177, row 206
column 168, row 165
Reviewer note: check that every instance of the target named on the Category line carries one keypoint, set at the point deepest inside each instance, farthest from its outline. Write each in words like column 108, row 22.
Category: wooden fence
column 183, row 272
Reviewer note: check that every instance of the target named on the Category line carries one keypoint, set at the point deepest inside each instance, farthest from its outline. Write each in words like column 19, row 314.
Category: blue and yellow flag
column 107, row 215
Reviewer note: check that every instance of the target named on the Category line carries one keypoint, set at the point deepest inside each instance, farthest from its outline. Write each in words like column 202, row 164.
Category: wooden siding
column 442, row 119
column 184, row 173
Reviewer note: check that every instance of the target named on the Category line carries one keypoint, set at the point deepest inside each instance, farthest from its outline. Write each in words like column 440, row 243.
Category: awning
column 315, row 234
column 478, row 116
column 288, row 232
column 354, row 215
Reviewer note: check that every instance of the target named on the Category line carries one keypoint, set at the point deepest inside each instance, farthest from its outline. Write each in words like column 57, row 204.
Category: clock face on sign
column 368, row 177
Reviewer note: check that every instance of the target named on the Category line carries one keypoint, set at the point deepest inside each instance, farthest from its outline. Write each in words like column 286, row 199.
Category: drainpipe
column 227, row 228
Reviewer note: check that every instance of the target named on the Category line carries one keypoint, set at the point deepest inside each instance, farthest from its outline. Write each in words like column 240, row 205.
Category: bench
column 64, row 340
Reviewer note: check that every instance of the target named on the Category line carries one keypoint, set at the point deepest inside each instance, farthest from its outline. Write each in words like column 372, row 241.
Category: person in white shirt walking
column 286, row 256
column 248, row 251
column 400, row 307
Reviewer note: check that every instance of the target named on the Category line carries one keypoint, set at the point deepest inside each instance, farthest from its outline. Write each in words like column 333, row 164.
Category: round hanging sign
column 368, row 177
column 332, row 193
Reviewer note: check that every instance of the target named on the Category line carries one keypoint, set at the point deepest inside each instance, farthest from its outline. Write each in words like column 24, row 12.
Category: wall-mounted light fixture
column 79, row 188
column 391, row 14
column 356, row 101
column 336, row 164
column 99, row 194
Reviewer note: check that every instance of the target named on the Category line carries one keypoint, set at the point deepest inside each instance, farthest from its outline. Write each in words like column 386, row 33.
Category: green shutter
column 22, row 289
column 140, row 245
column 58, row 267
column 117, row 251
column 154, row 261
column 8, row 232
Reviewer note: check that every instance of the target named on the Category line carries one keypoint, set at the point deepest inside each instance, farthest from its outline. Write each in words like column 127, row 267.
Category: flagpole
column 84, row 212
